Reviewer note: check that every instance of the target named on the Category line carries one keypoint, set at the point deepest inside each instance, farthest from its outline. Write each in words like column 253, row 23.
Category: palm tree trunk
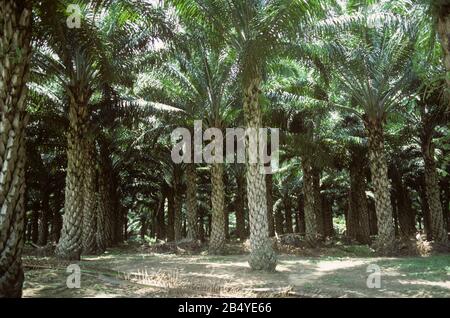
column 424, row 207
column 381, row 186
column 269, row 186
column 327, row 208
column 405, row 214
column 161, row 223
column 101, row 217
column 240, row 207
column 89, row 229
column 279, row 218
column 372, row 217
column 358, row 202
column 55, row 232
column 351, row 217
column 288, row 214
column 104, row 228
column 446, row 204
column 217, row 237
column 201, row 225
column 15, row 50
column 46, row 215
column 191, row 196
column 438, row 230
column 318, row 204
column 70, row 244
column 309, row 203
column 107, row 193
column 262, row 255
column 301, row 215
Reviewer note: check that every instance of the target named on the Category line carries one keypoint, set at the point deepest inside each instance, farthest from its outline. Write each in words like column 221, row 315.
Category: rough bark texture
column 103, row 234
column 405, row 214
column 301, row 215
column 270, row 218
column 351, row 217
column 311, row 234
column 262, row 255
column 289, row 228
column 201, row 225
column 70, row 244
column 279, row 218
column 318, row 204
column 438, row 230
column 107, row 191
column 372, row 217
column 327, row 208
column 425, row 209
column 381, row 186
column 217, row 238
column 191, row 197
column 15, row 50
column 240, row 206
column 359, row 227
column 89, row 225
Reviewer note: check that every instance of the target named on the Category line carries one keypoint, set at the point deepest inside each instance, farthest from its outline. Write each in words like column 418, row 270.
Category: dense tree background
column 358, row 89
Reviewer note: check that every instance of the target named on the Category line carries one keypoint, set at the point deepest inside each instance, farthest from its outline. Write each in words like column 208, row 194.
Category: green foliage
column 326, row 66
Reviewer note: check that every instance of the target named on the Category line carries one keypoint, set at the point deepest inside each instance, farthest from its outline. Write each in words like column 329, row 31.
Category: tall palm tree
column 82, row 60
column 15, row 52
column 351, row 137
column 299, row 99
column 89, row 224
column 429, row 109
column 373, row 76
column 199, row 82
column 253, row 29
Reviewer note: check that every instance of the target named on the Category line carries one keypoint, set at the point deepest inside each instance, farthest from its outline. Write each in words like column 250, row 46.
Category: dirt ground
column 126, row 272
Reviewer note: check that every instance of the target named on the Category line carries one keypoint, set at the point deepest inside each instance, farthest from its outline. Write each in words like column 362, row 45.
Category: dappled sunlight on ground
column 427, row 283
column 169, row 275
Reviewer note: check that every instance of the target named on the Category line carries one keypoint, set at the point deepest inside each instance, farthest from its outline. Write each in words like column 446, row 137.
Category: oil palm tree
column 373, row 76
column 15, row 53
column 351, row 136
column 254, row 29
column 299, row 99
column 198, row 81
column 82, row 60
column 427, row 110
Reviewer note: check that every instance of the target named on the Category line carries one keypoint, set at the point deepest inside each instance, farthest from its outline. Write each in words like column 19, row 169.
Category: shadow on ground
column 118, row 274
